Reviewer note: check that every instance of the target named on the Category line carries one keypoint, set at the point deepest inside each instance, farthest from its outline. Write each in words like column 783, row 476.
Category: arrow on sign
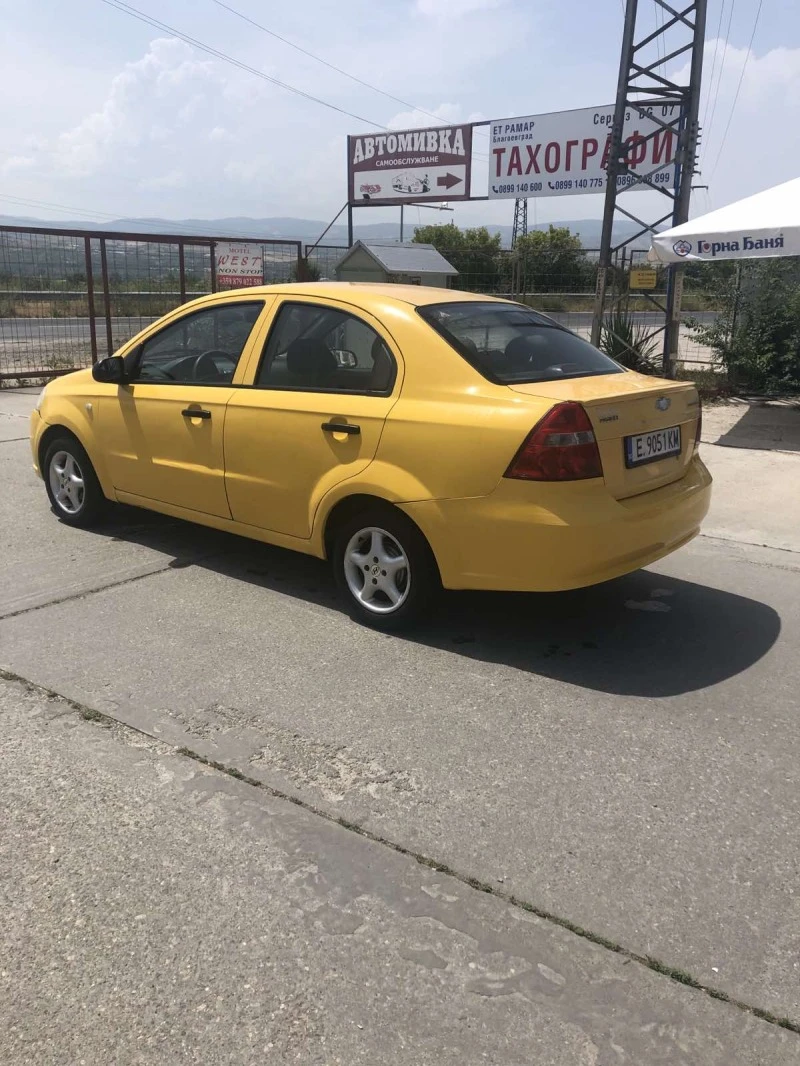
column 449, row 180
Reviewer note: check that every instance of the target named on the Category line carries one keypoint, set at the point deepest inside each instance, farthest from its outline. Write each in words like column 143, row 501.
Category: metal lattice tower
column 520, row 230
column 643, row 80
column 520, row 221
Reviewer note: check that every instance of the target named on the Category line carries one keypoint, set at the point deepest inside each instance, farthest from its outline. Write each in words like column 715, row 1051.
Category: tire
column 378, row 589
column 72, row 486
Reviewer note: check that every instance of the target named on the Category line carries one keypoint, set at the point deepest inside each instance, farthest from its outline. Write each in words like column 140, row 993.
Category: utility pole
column 643, row 83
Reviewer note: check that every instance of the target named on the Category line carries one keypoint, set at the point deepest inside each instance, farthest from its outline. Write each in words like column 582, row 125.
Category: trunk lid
column 624, row 405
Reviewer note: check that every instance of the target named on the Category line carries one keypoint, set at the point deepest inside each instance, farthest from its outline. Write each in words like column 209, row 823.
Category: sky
column 114, row 118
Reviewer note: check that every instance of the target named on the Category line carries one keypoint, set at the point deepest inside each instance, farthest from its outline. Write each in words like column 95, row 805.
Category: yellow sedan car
column 415, row 437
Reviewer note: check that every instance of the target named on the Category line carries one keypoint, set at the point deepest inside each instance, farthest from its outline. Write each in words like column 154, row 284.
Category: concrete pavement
column 624, row 758
column 157, row 911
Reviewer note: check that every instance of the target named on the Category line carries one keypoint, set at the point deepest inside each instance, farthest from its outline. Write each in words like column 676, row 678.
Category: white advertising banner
column 761, row 226
column 238, row 265
column 565, row 153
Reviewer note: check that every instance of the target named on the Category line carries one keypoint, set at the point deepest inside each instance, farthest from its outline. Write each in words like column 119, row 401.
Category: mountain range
column 307, row 230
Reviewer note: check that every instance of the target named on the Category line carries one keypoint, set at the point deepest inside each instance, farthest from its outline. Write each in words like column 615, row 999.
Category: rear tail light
column 699, row 432
column 561, row 447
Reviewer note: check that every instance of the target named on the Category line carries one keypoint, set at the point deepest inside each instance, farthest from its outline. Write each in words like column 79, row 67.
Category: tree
column 475, row 253
column 553, row 260
column 756, row 335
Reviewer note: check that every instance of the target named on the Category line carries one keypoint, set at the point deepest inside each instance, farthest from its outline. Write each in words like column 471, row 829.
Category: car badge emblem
column 663, row 402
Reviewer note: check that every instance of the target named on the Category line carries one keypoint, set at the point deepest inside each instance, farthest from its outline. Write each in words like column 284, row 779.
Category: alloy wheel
column 66, row 483
column 377, row 570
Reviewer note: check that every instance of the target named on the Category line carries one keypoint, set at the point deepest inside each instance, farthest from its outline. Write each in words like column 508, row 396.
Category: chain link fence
column 70, row 297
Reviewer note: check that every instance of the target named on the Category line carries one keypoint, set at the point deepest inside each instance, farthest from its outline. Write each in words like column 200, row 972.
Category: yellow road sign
column 643, row 279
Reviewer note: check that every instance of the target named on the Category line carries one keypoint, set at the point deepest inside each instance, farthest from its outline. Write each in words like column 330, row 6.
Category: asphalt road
column 49, row 334
column 624, row 759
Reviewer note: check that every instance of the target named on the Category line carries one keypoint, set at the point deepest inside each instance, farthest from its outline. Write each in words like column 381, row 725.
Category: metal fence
column 322, row 260
column 70, row 297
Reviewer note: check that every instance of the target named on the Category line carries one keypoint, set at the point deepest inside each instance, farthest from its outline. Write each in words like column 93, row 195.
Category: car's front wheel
column 71, row 483
column 384, row 568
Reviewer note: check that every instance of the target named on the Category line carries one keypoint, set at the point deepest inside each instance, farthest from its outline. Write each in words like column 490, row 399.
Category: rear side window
column 510, row 344
column 315, row 348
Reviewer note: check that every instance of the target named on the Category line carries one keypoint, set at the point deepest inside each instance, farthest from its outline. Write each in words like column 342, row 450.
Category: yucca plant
column 629, row 342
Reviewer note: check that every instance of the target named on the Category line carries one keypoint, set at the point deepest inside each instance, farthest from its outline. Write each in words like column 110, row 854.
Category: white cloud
column 148, row 101
column 761, row 147
column 153, row 127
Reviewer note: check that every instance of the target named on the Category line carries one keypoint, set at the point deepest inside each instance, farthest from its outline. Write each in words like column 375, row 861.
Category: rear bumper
column 529, row 537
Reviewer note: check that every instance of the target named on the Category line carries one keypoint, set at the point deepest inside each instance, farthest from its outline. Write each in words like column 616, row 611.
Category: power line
column 721, row 69
column 93, row 216
column 324, row 62
column 738, row 88
column 659, row 26
column 126, row 9
column 339, row 70
column 713, row 63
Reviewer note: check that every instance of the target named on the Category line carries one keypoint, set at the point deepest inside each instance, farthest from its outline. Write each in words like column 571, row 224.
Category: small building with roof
column 390, row 261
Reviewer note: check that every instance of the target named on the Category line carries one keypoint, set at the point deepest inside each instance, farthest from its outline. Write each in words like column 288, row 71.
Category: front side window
column 321, row 349
column 511, row 344
column 200, row 348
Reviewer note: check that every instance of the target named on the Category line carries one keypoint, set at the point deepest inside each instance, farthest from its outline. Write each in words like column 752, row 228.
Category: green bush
column 756, row 335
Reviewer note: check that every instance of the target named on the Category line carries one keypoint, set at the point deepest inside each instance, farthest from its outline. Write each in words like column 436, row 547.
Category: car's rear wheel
column 71, row 483
column 384, row 568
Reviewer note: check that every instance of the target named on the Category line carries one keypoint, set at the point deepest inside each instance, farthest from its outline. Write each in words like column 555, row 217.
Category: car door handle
column 195, row 412
column 341, row 427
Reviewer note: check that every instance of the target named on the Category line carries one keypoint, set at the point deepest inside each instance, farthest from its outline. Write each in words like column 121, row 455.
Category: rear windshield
column 510, row 344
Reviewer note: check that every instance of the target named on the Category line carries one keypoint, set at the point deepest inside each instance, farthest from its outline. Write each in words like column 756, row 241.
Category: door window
column 321, row 349
column 200, row 348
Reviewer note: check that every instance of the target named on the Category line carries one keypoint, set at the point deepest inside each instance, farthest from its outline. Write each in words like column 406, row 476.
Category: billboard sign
column 407, row 165
column 565, row 153
column 238, row 265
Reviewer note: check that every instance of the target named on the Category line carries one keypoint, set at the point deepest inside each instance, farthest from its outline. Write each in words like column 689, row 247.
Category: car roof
column 362, row 292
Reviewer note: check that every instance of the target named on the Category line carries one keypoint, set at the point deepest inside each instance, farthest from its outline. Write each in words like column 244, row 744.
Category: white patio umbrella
column 767, row 224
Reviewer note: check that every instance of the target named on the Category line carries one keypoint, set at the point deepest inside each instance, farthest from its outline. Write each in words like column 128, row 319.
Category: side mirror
column 111, row 370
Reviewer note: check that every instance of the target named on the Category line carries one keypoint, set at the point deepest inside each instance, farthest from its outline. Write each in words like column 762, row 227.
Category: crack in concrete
column 749, row 544
column 673, row 973
column 172, row 564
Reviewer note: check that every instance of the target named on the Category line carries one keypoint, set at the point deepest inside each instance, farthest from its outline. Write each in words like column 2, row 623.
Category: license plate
column 648, row 447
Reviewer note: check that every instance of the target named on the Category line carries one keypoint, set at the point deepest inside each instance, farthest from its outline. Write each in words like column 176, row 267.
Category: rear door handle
column 341, row 427
column 195, row 412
